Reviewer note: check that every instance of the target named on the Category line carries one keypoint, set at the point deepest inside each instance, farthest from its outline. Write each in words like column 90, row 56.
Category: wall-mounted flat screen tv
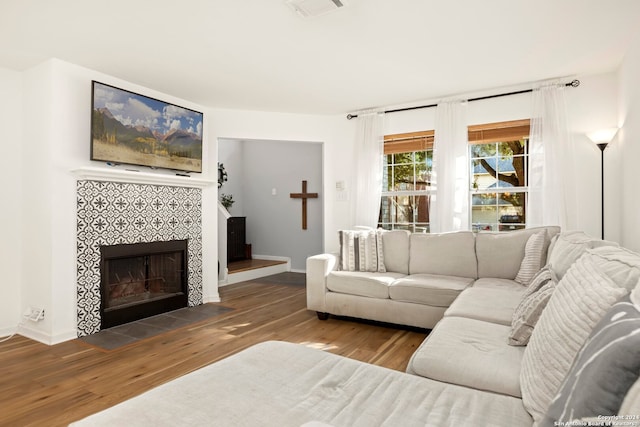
column 128, row 128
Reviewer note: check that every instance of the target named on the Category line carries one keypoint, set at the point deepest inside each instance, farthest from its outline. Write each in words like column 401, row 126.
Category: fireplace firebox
column 141, row 280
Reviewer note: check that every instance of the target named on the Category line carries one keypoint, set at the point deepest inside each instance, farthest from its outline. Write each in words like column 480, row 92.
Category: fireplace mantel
column 132, row 176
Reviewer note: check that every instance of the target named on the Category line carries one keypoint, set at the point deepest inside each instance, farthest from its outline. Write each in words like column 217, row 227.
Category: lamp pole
column 602, row 146
column 602, row 138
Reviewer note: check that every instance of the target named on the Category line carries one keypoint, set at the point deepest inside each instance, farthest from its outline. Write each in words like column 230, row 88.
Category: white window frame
column 478, row 134
column 414, row 225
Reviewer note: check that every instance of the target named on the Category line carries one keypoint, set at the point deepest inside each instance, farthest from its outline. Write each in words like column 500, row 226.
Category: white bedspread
column 283, row 384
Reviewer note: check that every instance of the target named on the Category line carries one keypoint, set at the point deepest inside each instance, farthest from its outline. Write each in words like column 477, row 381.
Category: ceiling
column 260, row 55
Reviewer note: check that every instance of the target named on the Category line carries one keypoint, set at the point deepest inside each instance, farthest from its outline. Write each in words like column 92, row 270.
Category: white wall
column 56, row 140
column 335, row 132
column 230, row 153
column 591, row 106
column 57, row 103
column 629, row 141
column 37, row 249
column 11, row 166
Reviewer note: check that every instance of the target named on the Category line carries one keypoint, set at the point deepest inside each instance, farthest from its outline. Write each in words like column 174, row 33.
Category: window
column 499, row 159
column 406, row 182
column 498, row 187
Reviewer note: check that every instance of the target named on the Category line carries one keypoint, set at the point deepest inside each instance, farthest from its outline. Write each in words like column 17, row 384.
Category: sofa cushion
column 374, row 285
column 449, row 254
column 500, row 254
column 605, row 369
column 533, row 258
column 581, row 299
column 493, row 283
column 384, row 310
column 395, row 247
column 283, row 384
column 430, row 289
column 361, row 250
column 570, row 246
column 471, row 353
column 489, row 304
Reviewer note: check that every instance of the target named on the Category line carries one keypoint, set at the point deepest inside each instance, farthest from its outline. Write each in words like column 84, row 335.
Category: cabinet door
column 236, row 238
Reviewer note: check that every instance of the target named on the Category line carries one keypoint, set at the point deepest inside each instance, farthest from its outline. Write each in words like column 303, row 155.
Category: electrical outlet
column 34, row 314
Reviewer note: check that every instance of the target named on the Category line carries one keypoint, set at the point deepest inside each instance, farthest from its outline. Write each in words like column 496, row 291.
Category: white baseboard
column 29, row 332
column 5, row 332
column 67, row 336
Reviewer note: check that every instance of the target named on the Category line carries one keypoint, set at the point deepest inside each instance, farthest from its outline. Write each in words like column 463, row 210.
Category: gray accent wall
column 274, row 222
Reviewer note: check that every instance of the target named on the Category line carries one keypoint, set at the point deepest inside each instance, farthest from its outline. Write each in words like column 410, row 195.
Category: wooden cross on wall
column 304, row 196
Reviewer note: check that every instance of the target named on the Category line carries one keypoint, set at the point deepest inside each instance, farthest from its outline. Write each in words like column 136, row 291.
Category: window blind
column 513, row 130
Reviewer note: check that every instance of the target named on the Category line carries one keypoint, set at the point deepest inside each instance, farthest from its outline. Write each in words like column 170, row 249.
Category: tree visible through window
column 407, row 182
column 499, row 161
column 498, row 187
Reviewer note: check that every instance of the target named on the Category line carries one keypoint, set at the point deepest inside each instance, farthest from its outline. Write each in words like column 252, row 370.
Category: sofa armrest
column 318, row 268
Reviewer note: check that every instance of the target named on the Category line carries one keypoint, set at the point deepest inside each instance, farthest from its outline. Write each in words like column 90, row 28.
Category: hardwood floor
column 55, row 385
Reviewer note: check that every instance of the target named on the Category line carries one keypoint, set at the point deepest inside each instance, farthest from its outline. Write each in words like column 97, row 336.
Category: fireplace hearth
column 140, row 280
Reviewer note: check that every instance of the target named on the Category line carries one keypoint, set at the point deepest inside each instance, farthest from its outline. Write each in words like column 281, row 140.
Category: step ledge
column 256, row 273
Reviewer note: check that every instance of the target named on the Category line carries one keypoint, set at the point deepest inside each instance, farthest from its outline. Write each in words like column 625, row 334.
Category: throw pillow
column 604, row 371
column 619, row 264
column 532, row 261
column 570, row 246
column 539, row 280
column 580, row 300
column 361, row 250
column 528, row 312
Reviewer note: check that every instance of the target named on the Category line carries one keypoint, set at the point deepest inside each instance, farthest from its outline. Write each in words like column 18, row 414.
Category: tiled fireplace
column 116, row 213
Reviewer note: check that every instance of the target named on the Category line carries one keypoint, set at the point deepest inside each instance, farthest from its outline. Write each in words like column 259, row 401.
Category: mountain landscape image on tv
column 128, row 128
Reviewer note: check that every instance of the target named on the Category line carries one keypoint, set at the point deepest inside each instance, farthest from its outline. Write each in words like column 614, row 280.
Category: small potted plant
column 227, row 201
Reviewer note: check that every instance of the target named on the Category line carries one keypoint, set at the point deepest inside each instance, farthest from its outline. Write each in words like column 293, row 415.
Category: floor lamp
column 602, row 138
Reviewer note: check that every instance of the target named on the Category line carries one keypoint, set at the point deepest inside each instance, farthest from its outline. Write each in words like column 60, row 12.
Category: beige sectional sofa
column 425, row 274
column 580, row 365
column 464, row 287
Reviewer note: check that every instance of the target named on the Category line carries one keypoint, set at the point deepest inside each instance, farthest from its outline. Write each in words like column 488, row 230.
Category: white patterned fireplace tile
column 110, row 213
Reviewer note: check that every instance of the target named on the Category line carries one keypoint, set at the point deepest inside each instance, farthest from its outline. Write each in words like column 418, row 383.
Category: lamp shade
column 602, row 136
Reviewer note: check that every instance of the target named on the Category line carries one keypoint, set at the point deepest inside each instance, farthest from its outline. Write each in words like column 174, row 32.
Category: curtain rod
column 573, row 83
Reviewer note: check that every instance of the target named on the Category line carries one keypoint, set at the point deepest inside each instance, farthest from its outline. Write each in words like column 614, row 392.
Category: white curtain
column 449, row 206
column 552, row 186
column 369, row 151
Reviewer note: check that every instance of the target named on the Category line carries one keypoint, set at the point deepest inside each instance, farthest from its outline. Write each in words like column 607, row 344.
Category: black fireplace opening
column 140, row 280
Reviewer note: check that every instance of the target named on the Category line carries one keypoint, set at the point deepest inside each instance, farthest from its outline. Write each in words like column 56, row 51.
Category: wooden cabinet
column 236, row 238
